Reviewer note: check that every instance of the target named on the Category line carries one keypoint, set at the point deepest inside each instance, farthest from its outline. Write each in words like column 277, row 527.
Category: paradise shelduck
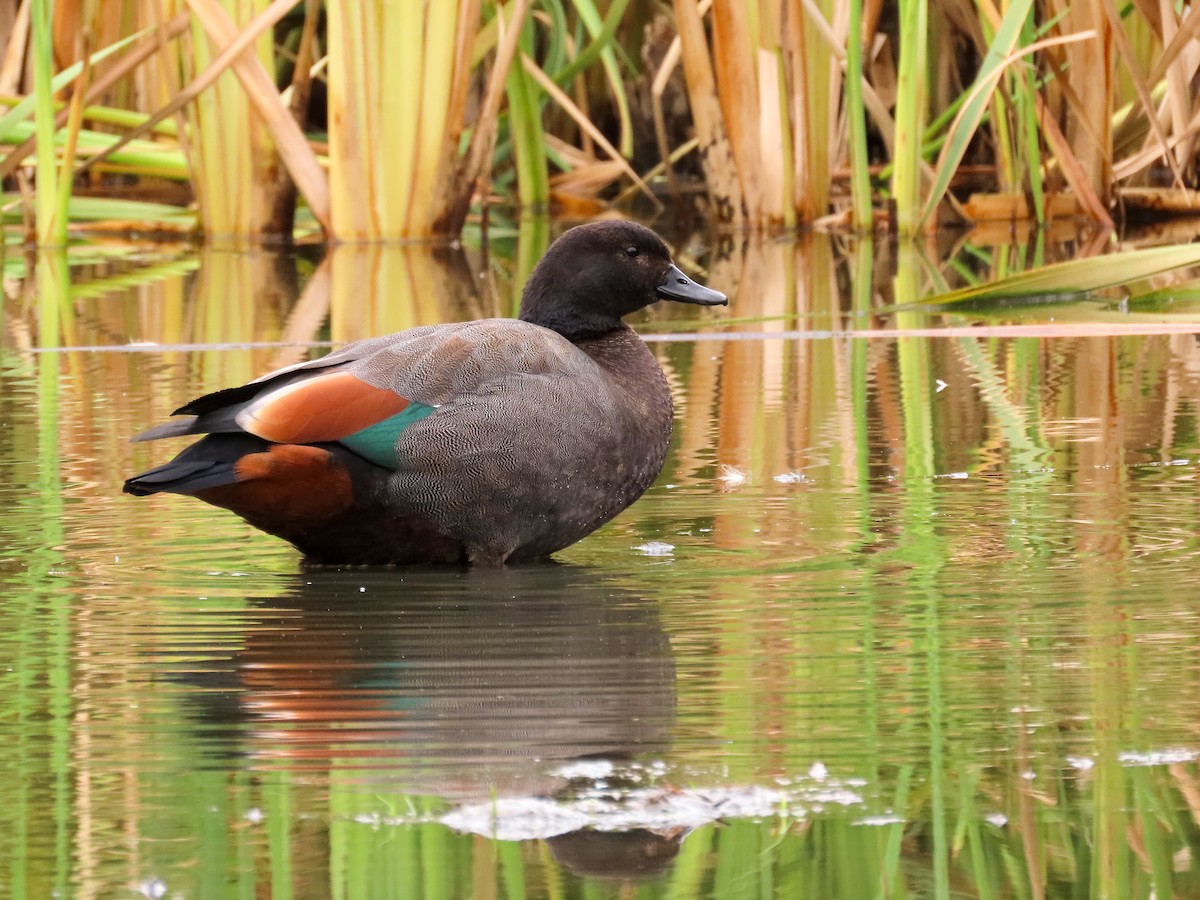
column 482, row 442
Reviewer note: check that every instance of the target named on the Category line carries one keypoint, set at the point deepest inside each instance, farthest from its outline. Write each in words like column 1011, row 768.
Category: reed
column 418, row 158
column 861, row 216
column 822, row 111
column 51, row 228
column 525, row 130
column 386, row 144
column 910, row 113
column 763, row 92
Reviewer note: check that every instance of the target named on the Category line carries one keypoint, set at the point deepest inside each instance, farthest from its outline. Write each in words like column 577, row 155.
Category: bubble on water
column 154, row 888
column 651, row 808
column 1170, row 756
column 593, row 769
column 655, row 548
column 880, row 820
column 731, row 476
column 515, row 819
column 790, row 478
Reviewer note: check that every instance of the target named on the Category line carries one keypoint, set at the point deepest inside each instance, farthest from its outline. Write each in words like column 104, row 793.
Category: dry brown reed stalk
column 264, row 141
column 459, row 178
column 765, row 80
column 716, row 152
column 296, row 97
column 232, row 150
column 1058, row 98
column 399, row 79
column 397, row 119
column 1080, row 108
column 14, row 51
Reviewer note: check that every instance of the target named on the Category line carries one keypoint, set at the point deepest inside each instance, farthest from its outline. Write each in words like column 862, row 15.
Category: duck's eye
column 631, row 251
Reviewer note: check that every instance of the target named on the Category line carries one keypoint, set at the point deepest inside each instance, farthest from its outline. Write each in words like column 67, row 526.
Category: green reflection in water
column 913, row 639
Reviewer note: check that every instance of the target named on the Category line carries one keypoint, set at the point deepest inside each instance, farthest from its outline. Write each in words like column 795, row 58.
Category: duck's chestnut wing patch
column 338, row 407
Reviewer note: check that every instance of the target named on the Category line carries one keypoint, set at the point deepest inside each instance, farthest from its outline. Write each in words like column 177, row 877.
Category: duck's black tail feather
column 208, row 463
column 174, row 428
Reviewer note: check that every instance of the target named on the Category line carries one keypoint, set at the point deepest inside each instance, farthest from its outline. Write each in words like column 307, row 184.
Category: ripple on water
column 807, row 617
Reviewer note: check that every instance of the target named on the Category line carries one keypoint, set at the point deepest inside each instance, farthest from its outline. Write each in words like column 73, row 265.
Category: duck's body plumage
column 486, row 442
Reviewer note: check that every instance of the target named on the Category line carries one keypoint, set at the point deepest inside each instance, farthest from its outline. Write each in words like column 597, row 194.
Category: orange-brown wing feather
column 324, row 408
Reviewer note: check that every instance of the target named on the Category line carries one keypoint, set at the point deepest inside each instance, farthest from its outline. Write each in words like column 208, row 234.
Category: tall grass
column 829, row 111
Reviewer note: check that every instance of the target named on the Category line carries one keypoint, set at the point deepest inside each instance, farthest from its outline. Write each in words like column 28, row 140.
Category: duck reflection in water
column 470, row 686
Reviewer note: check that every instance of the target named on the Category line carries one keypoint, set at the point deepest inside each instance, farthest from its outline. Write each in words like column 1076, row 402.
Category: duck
column 482, row 443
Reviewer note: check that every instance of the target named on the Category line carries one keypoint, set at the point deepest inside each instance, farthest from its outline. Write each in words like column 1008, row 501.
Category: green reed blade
column 55, row 319
column 436, row 843
column 604, row 30
column 277, row 805
column 860, row 176
column 994, row 63
column 602, row 39
column 554, row 47
column 403, row 847
column 910, row 114
column 1025, row 98
column 687, row 875
column 43, row 101
column 1154, row 821
column 525, row 125
column 164, row 159
column 22, row 109
column 107, row 208
column 66, row 173
column 108, row 115
column 512, row 869
column 1078, row 275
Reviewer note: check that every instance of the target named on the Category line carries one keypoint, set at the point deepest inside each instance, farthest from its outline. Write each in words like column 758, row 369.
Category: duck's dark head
column 596, row 273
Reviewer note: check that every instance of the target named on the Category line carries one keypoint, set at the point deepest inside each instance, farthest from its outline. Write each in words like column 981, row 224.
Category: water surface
column 909, row 613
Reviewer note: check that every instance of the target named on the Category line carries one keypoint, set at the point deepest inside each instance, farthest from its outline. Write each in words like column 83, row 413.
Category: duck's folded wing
column 236, row 397
column 366, row 394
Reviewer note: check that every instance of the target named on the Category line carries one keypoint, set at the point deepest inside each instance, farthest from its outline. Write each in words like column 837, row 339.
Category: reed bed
column 405, row 120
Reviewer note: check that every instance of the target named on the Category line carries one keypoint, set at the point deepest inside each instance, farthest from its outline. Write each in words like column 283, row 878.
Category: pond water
column 911, row 611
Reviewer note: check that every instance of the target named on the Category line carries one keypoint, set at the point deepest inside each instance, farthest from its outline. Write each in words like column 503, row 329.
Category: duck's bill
column 679, row 287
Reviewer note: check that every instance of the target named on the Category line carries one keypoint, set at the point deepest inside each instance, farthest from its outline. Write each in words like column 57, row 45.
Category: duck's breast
column 539, row 450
